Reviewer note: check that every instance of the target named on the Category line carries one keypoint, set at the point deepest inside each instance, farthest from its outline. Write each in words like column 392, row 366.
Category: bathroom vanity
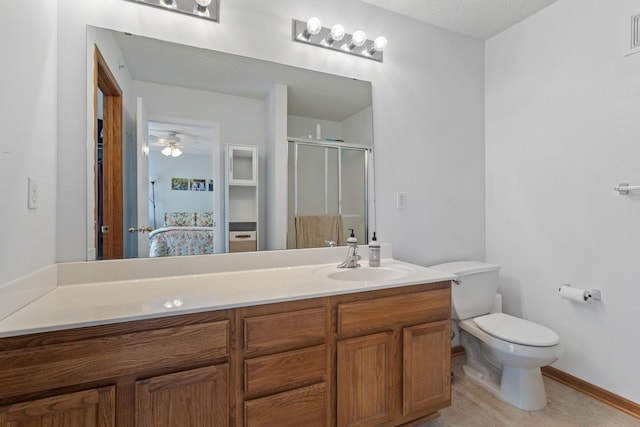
column 314, row 351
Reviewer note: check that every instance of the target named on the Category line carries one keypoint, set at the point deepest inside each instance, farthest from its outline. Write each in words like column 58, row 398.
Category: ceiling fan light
column 175, row 152
column 166, row 151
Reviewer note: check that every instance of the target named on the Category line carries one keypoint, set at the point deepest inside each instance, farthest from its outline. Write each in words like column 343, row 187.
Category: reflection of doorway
column 108, row 166
column 185, row 167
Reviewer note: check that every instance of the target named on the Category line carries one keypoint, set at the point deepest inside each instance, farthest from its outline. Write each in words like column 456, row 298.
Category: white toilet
column 504, row 353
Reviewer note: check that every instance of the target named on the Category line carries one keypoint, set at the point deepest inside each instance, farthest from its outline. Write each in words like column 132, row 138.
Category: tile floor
column 475, row 407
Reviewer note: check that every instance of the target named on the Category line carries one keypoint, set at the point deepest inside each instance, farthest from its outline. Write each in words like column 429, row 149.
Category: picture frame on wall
column 181, row 184
column 197, row 184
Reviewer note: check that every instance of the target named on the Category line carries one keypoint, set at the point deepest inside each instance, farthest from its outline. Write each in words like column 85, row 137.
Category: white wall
column 305, row 127
column 357, row 129
column 28, row 103
column 421, row 96
column 276, row 154
column 562, row 129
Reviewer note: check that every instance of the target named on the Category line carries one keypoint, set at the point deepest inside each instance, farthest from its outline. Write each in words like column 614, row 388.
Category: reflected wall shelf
column 241, row 198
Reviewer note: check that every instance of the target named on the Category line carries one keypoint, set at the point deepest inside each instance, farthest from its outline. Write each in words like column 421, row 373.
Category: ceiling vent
column 634, row 46
column 635, row 31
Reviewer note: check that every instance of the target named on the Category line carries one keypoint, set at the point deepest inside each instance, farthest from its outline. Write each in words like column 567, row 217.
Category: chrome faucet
column 330, row 243
column 352, row 256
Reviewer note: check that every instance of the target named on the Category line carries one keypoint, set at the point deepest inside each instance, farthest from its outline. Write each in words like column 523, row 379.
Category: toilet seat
column 516, row 330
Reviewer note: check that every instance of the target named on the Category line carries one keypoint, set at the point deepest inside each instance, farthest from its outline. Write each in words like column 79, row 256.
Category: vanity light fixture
column 335, row 38
column 207, row 9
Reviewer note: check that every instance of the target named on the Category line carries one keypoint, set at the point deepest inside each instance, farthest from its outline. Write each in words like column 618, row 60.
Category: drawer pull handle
column 242, row 236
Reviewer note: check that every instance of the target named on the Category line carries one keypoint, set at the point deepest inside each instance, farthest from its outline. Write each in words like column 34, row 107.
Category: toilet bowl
column 509, row 366
column 504, row 353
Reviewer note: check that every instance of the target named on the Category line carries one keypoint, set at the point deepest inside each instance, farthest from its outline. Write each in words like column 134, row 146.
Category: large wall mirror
column 194, row 151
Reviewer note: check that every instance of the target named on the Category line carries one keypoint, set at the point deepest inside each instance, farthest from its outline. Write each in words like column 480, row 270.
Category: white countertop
column 87, row 304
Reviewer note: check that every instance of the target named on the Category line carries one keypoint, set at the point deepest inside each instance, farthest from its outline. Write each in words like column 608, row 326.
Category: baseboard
column 594, row 391
column 604, row 396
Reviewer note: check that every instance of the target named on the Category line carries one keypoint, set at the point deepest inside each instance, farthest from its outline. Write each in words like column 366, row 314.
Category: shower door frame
column 340, row 146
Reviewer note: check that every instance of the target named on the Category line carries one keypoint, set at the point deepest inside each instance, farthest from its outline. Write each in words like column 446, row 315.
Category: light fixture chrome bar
column 199, row 9
column 345, row 45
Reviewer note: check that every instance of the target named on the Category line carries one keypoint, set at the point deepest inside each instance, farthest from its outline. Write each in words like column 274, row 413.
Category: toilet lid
column 516, row 330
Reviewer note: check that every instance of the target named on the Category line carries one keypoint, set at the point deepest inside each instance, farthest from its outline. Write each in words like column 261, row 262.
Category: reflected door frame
column 112, row 211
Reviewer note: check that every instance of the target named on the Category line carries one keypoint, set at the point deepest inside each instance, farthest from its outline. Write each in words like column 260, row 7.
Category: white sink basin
column 366, row 274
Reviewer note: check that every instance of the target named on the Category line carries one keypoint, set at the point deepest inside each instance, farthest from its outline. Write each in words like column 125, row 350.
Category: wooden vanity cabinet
column 285, row 356
column 126, row 374
column 393, row 356
column 377, row 358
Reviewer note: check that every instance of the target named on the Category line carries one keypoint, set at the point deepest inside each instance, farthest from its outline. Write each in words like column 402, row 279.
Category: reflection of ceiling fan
column 172, row 141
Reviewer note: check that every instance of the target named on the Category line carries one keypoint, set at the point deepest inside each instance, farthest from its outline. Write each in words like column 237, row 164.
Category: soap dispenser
column 374, row 251
column 352, row 240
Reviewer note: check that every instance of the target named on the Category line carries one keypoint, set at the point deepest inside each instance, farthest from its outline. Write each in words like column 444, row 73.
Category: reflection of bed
column 184, row 233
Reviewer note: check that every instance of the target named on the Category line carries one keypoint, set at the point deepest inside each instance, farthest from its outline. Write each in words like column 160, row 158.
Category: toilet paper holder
column 594, row 294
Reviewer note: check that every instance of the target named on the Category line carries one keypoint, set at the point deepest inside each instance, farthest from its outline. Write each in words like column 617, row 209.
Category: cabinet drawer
column 382, row 313
column 304, row 406
column 285, row 330
column 282, row 371
column 70, row 363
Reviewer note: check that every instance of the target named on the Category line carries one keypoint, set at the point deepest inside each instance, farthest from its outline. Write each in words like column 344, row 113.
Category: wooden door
column 199, row 397
column 364, row 383
column 426, row 368
column 108, row 222
column 88, row 408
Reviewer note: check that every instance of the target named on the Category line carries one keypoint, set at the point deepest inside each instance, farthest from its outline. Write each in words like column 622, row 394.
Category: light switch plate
column 33, row 193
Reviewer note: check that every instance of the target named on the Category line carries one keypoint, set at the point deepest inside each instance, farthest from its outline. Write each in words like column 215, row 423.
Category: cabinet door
column 199, row 397
column 364, row 380
column 243, row 165
column 426, row 368
column 88, row 408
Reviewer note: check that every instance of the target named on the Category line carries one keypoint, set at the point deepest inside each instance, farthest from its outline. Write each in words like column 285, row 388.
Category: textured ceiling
column 481, row 19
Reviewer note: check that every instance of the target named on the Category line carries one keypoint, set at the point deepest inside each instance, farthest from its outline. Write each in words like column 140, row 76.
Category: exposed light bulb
column 357, row 40
column 380, row 43
column 337, row 33
column 314, row 26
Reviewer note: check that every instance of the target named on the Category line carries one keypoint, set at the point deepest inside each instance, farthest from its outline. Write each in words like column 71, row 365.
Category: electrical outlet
column 33, row 193
column 401, row 201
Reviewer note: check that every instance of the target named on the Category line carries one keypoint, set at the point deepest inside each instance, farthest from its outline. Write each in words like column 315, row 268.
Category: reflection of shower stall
column 329, row 179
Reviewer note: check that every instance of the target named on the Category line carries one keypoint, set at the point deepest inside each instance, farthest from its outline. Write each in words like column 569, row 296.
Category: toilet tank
column 474, row 289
